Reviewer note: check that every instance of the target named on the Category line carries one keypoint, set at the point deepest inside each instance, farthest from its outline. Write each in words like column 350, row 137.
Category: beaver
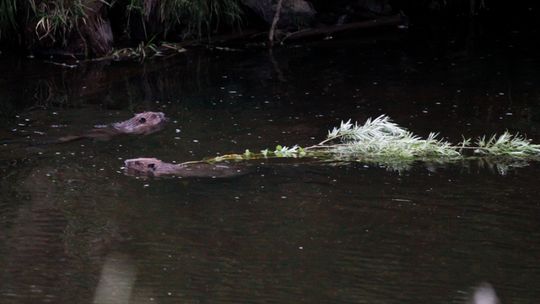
column 154, row 167
column 141, row 124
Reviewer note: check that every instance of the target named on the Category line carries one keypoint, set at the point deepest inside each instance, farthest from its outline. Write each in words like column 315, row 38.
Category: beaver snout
column 142, row 166
column 142, row 123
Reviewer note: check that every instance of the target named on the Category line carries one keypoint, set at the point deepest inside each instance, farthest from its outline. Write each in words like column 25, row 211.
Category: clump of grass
column 383, row 142
column 196, row 17
column 57, row 19
column 57, row 23
column 8, row 13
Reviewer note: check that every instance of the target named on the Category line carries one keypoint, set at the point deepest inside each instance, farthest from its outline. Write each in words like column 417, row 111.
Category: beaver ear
column 152, row 166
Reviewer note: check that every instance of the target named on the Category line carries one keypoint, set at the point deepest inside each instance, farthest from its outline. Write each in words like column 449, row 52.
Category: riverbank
column 135, row 29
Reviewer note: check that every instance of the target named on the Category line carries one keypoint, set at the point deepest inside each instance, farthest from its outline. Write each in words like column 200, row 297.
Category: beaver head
column 142, row 166
column 155, row 167
column 147, row 167
column 142, row 123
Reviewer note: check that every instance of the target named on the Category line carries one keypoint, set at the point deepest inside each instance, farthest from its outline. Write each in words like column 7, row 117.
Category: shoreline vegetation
column 138, row 29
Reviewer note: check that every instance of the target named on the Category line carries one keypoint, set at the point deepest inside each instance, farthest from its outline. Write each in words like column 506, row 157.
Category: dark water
column 75, row 229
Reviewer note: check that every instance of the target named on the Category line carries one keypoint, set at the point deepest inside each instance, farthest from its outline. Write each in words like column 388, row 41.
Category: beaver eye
column 152, row 166
column 142, row 120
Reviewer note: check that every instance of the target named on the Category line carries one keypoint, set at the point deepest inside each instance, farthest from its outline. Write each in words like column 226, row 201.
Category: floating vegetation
column 378, row 141
column 383, row 142
column 515, row 146
column 144, row 51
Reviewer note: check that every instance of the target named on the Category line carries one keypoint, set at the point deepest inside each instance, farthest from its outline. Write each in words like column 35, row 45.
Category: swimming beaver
column 140, row 124
column 156, row 167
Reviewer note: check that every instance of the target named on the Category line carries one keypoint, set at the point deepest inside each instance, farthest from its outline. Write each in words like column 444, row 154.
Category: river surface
column 75, row 229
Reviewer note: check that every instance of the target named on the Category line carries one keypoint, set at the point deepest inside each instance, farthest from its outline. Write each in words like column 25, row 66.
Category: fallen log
column 394, row 20
column 247, row 37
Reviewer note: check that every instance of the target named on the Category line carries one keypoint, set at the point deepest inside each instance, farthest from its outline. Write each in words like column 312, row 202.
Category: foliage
column 8, row 12
column 383, row 142
column 507, row 145
column 383, row 138
column 55, row 20
column 194, row 17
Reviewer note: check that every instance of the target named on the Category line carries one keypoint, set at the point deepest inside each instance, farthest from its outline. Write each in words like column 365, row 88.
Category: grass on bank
column 56, row 20
column 196, row 17
column 8, row 12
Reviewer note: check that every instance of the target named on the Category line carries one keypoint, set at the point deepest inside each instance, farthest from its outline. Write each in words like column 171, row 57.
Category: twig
column 71, row 66
column 326, row 31
column 274, row 23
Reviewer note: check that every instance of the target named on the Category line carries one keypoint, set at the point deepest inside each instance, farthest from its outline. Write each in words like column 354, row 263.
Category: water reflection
column 116, row 281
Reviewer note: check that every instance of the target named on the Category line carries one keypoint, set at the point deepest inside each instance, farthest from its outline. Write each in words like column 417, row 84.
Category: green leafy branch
column 382, row 141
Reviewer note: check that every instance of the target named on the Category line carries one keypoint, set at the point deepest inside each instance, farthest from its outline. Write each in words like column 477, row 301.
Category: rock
column 377, row 7
column 294, row 13
column 340, row 12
